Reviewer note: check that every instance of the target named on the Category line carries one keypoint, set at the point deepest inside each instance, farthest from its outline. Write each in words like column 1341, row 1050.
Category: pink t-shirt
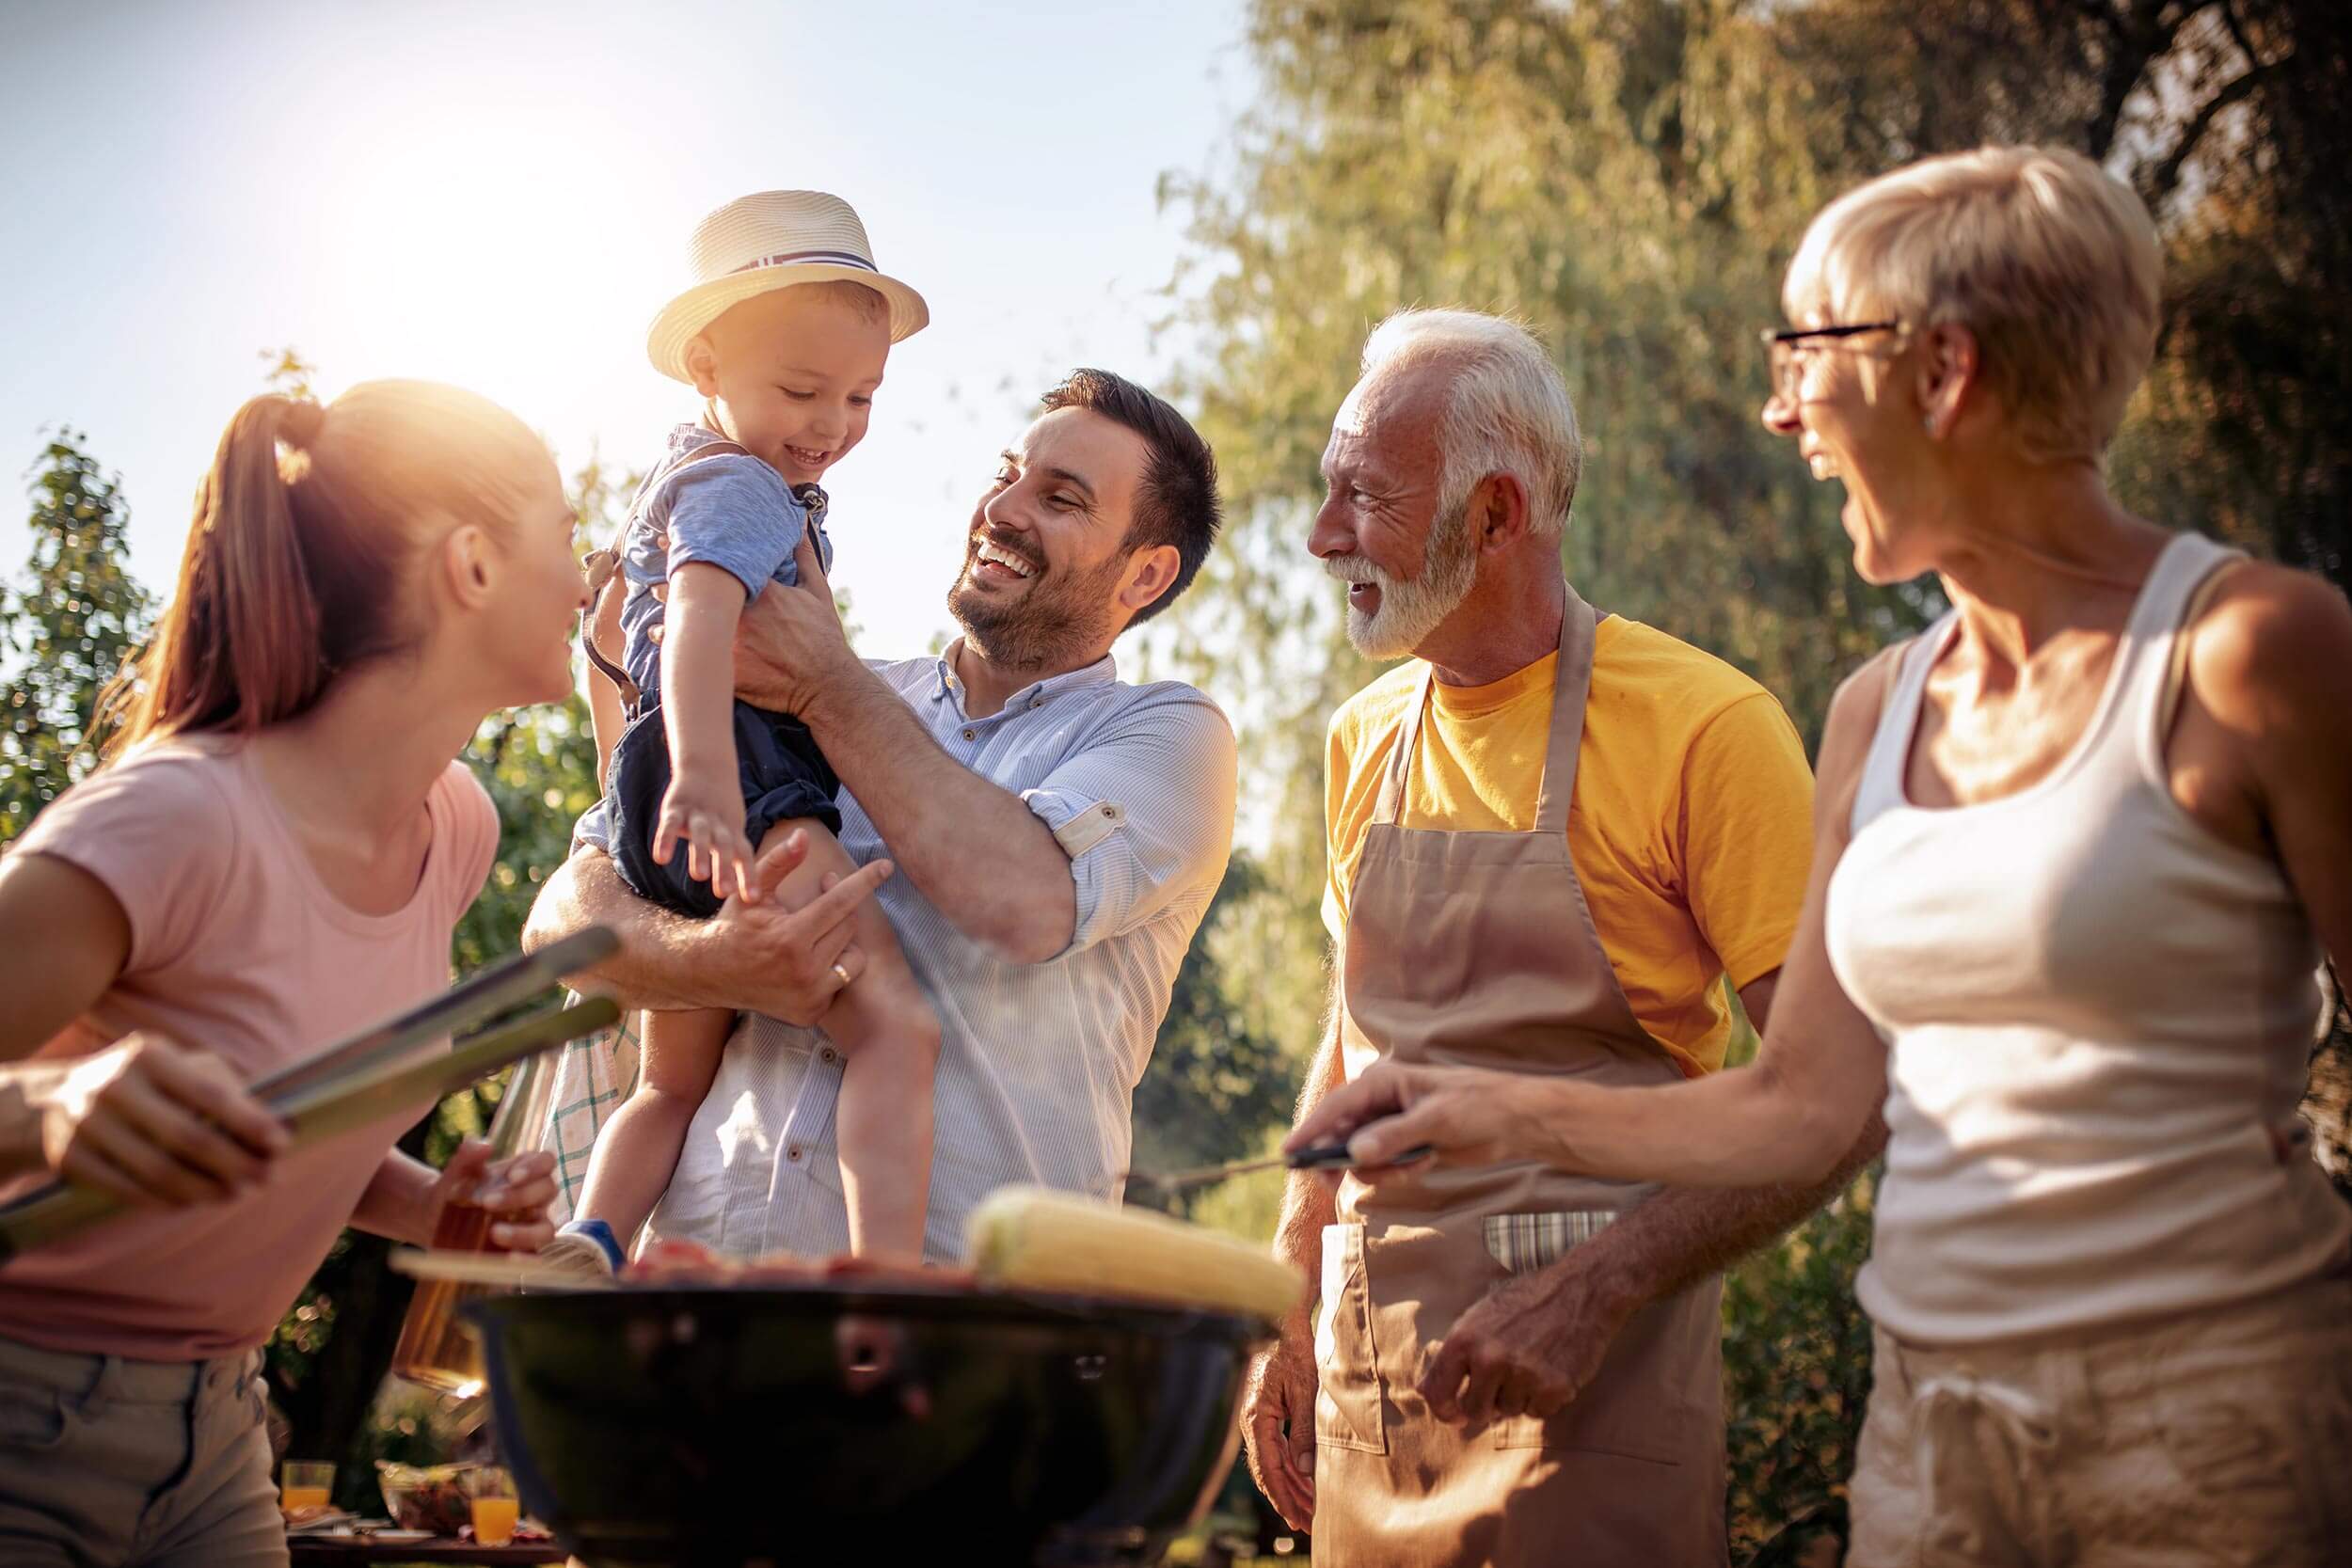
column 236, row 947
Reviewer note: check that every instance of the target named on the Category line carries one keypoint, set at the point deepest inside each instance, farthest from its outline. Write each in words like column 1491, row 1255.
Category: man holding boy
column 1056, row 835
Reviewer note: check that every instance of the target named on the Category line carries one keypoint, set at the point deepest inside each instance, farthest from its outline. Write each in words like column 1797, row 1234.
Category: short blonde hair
column 1507, row 410
column 2048, row 260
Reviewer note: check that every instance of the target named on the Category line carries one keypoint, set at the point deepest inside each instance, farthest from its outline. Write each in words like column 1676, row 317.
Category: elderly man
column 1056, row 835
column 1553, row 837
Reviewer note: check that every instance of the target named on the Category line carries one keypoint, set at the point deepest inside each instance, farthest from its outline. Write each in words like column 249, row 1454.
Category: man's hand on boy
column 791, row 963
column 705, row 813
column 789, row 646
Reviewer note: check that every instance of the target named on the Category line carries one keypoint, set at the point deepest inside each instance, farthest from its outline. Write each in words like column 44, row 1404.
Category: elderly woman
column 2080, row 848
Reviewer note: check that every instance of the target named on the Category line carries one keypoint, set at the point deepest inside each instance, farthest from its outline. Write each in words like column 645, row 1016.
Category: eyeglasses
column 1786, row 347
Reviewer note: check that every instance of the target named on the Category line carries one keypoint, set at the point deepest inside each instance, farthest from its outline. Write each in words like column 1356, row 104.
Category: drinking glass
column 495, row 1506
column 438, row 1347
column 307, row 1484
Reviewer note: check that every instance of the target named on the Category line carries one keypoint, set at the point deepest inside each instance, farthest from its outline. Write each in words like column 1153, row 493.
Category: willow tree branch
column 2237, row 91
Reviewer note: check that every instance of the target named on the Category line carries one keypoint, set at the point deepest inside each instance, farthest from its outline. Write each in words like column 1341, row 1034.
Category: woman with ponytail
column 274, row 854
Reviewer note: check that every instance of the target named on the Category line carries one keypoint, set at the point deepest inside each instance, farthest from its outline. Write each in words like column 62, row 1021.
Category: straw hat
column 772, row 239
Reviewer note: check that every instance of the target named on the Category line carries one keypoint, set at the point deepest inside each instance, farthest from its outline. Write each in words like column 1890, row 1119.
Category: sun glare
column 481, row 241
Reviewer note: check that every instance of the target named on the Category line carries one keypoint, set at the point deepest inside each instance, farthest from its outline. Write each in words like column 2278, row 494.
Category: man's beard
column 1409, row 611
column 1048, row 624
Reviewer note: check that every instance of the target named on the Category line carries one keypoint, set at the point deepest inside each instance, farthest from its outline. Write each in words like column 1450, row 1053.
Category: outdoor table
column 353, row 1551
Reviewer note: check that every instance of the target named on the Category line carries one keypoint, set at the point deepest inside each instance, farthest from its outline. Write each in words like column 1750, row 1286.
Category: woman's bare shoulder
column 2268, row 642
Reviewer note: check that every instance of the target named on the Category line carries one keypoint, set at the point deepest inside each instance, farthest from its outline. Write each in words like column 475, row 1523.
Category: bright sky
column 499, row 194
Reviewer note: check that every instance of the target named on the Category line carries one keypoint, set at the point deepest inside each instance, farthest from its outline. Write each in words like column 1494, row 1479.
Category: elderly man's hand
column 1523, row 1350
column 1277, row 1422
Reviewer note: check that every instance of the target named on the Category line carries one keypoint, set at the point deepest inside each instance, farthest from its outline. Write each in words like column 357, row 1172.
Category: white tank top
column 2094, row 1011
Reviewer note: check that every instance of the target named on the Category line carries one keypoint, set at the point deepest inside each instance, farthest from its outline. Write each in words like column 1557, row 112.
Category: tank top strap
column 1882, row 785
column 2144, row 687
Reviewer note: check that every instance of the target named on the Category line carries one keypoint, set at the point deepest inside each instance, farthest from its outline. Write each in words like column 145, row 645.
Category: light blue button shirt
column 1038, row 1063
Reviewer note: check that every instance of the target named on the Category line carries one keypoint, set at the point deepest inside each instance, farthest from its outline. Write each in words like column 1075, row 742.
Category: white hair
column 2050, row 260
column 1507, row 411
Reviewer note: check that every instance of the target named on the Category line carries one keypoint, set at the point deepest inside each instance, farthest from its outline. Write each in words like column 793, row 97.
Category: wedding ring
column 841, row 974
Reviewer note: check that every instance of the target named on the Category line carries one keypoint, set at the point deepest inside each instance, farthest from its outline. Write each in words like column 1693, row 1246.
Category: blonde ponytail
column 295, row 560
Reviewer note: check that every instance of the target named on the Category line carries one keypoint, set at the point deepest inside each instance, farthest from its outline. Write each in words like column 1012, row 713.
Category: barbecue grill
column 732, row 1427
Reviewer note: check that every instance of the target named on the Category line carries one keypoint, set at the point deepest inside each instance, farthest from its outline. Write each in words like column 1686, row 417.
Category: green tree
column 1215, row 1086
column 1796, row 1370
column 2230, row 117
column 1629, row 176
column 1595, row 171
column 65, row 630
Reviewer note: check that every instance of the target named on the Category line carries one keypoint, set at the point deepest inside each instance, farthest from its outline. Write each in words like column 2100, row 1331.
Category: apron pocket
column 1656, row 1396
column 1347, row 1389
column 1522, row 1243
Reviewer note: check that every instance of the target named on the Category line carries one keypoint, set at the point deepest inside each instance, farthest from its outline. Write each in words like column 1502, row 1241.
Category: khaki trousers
column 108, row 1463
column 2217, row 1438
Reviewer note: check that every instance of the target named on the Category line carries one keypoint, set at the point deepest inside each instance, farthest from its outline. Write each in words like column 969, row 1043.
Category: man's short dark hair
column 1176, row 503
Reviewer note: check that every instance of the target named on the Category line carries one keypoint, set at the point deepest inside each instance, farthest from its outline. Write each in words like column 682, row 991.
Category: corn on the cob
column 1038, row 1238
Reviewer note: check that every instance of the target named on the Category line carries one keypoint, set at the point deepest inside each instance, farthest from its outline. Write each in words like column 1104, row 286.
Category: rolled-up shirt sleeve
column 1145, row 812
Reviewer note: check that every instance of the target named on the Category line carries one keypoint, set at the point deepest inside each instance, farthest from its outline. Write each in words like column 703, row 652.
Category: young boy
column 785, row 338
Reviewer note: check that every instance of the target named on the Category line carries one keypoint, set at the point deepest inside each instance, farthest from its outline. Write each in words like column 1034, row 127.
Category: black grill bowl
column 729, row 1427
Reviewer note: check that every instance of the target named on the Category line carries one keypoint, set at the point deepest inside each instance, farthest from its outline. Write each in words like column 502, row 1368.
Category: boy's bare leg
column 637, row 1151
column 889, row 1041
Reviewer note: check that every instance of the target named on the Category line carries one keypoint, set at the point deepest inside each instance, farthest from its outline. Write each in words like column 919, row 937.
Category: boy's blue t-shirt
column 728, row 509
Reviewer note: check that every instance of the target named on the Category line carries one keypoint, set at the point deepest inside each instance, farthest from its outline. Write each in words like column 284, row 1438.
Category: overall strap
column 602, row 566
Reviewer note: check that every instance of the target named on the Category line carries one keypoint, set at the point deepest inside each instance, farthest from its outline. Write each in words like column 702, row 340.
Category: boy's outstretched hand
column 705, row 814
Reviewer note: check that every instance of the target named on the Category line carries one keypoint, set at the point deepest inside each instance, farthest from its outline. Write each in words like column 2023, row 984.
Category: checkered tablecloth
column 594, row 1076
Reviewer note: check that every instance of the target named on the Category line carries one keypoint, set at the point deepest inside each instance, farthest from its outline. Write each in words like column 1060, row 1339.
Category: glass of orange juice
column 307, row 1484
column 495, row 1506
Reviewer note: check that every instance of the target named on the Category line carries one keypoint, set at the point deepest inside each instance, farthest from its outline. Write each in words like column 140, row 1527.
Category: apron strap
column 1571, row 686
column 1572, row 683
column 1391, row 803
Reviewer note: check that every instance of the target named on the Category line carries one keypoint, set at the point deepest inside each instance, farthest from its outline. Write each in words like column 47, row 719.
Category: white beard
column 1409, row 611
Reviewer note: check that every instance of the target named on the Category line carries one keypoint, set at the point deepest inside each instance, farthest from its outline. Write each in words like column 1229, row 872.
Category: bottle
column 438, row 1347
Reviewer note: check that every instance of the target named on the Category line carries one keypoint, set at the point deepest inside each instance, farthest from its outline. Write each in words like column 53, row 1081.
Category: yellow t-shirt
column 1691, row 825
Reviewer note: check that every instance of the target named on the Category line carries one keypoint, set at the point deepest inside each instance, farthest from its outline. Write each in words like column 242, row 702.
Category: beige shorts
column 2222, row 1437
column 135, row 1464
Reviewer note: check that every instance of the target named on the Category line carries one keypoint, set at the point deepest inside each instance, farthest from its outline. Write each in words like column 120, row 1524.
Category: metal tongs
column 376, row 1072
column 1314, row 1157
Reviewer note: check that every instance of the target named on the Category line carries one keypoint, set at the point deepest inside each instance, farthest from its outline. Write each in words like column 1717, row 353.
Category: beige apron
column 1476, row 949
